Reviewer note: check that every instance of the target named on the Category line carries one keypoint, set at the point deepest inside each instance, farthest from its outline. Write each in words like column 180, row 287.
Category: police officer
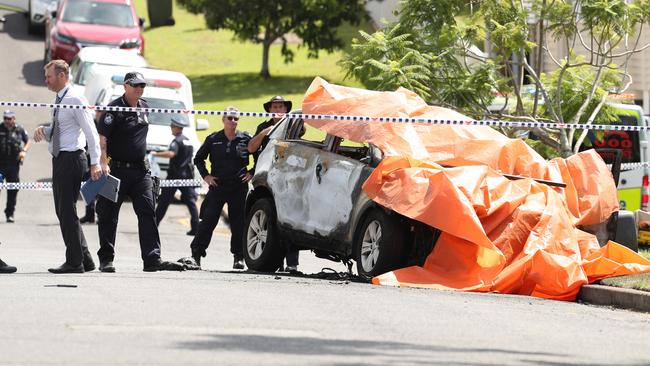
column 180, row 154
column 14, row 143
column 277, row 104
column 122, row 137
column 228, row 183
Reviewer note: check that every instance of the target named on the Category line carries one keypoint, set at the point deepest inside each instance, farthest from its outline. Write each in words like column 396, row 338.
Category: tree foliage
column 470, row 54
column 264, row 22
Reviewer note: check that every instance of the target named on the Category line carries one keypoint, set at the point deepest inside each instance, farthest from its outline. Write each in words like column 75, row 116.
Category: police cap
column 179, row 122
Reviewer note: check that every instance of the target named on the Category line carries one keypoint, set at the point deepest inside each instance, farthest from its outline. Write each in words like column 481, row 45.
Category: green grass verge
column 637, row 282
column 224, row 71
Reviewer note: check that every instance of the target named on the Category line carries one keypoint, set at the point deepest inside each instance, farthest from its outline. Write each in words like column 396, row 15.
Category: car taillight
column 644, row 193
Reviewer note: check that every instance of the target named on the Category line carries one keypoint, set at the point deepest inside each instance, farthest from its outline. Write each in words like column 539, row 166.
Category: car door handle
column 319, row 169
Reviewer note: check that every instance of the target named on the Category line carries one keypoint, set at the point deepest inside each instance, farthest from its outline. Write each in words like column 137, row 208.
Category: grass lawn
column 225, row 71
column 637, row 282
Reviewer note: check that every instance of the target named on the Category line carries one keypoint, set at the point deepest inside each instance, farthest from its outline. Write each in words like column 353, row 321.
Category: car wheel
column 379, row 245
column 32, row 28
column 47, row 56
column 262, row 250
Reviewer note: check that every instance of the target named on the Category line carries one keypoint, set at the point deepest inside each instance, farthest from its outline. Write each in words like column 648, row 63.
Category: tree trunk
column 266, row 46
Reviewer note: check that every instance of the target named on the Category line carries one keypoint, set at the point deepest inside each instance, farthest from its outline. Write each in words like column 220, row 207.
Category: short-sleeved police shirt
column 180, row 166
column 11, row 142
column 265, row 140
column 125, row 132
column 228, row 158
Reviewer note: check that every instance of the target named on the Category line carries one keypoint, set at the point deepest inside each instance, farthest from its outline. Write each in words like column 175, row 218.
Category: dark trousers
column 188, row 197
column 11, row 171
column 291, row 256
column 138, row 185
column 90, row 207
column 235, row 196
column 67, row 171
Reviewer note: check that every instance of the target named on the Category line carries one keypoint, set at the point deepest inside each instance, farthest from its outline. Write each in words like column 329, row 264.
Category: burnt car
column 307, row 192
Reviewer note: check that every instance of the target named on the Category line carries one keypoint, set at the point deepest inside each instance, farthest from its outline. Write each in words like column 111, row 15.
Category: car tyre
column 379, row 244
column 47, row 57
column 263, row 250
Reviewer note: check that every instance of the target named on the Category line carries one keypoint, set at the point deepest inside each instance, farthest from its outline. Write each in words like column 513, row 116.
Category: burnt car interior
column 303, row 133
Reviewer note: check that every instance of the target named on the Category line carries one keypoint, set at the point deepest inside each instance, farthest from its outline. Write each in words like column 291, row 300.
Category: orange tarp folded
column 508, row 236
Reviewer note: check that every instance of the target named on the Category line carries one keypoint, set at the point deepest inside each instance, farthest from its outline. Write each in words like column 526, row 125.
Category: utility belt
column 228, row 181
column 140, row 165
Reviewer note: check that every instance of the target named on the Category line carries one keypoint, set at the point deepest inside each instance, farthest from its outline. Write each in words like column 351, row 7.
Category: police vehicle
column 82, row 64
column 165, row 89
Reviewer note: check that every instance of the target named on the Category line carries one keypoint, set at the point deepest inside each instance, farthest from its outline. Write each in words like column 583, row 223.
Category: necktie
column 56, row 130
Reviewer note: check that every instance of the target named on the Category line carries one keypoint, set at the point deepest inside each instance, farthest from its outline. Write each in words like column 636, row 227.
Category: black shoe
column 106, row 267
column 87, row 219
column 89, row 264
column 5, row 268
column 191, row 232
column 163, row 266
column 10, row 219
column 238, row 263
column 66, row 268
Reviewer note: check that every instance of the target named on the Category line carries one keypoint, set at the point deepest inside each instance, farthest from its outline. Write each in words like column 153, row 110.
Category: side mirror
column 202, row 124
column 141, row 21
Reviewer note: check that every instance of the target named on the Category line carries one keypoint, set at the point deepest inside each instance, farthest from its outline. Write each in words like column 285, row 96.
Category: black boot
column 5, row 268
column 90, row 215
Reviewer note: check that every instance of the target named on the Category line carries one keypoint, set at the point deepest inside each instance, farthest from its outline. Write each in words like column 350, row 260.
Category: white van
column 165, row 89
column 88, row 56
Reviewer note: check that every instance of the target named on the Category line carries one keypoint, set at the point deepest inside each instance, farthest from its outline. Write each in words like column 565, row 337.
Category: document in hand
column 107, row 186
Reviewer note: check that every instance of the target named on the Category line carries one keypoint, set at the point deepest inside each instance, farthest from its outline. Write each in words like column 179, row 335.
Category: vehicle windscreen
column 88, row 12
column 626, row 141
column 164, row 119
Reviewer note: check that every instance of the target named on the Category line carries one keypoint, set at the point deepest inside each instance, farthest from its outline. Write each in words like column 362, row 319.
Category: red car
column 79, row 23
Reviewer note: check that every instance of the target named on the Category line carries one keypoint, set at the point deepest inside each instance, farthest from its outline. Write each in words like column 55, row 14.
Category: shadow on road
column 384, row 352
column 16, row 28
column 33, row 73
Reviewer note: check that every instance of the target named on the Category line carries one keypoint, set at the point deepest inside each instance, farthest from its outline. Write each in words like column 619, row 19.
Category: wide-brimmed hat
column 179, row 122
column 277, row 99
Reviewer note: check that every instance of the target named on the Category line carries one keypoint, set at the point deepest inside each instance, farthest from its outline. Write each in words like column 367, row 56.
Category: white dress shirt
column 77, row 126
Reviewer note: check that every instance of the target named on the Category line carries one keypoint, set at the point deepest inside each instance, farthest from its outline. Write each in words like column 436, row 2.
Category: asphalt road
column 230, row 318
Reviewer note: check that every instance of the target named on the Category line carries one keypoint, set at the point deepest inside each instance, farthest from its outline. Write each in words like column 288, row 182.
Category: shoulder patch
column 108, row 119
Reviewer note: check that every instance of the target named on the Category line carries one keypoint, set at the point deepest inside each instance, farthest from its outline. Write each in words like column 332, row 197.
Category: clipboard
column 106, row 186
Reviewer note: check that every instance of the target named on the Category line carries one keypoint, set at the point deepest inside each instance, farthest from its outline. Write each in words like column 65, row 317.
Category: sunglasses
column 233, row 119
column 138, row 85
column 7, row 118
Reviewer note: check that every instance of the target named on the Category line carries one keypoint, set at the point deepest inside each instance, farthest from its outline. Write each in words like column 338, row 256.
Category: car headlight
column 130, row 43
column 61, row 38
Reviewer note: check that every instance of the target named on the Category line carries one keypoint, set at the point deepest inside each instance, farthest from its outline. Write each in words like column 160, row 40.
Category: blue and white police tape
column 433, row 121
column 47, row 186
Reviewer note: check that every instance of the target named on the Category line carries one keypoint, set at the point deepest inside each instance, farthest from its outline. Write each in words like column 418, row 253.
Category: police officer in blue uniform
column 124, row 148
column 228, row 183
column 180, row 154
column 14, row 143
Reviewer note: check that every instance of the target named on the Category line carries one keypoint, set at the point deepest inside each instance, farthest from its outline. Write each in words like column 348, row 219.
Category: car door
column 333, row 187
column 289, row 162
column 18, row 4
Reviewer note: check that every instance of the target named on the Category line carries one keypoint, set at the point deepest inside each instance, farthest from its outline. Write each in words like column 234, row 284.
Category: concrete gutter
column 615, row 296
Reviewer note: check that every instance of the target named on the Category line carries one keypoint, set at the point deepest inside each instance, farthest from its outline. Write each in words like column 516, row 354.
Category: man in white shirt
column 67, row 136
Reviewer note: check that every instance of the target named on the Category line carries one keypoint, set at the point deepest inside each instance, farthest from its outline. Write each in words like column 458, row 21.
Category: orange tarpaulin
column 510, row 236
